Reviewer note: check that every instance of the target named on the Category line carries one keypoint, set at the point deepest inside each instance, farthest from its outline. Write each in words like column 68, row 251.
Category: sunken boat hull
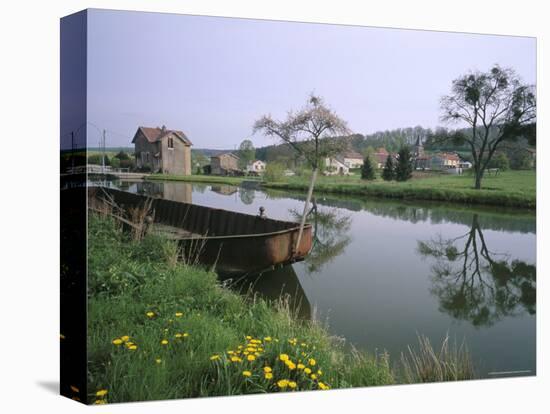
column 228, row 241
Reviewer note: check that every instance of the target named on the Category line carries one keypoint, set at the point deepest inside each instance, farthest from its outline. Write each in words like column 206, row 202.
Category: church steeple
column 418, row 148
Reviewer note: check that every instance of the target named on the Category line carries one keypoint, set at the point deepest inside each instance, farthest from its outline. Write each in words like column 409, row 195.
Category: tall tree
column 367, row 170
column 312, row 132
column 388, row 173
column 247, row 153
column 403, row 170
column 495, row 106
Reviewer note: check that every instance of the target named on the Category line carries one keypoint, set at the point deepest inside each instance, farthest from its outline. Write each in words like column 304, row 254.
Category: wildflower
column 98, row 402
column 179, row 314
column 268, row 375
column 240, row 347
column 307, row 371
column 267, row 339
column 256, row 341
column 248, row 337
column 292, row 384
column 247, row 373
column 313, row 376
column 267, row 369
column 257, row 354
column 117, row 341
column 158, row 360
column 178, row 335
column 164, row 342
column 291, row 365
column 319, row 372
column 303, row 344
column 74, row 388
column 283, row 357
column 125, row 338
column 129, row 344
column 312, row 362
column 282, row 383
column 214, row 357
column 251, row 349
column 323, row 386
column 150, row 314
column 301, row 366
column 251, row 357
column 185, row 334
column 132, row 347
column 246, row 353
column 235, row 359
column 101, row 393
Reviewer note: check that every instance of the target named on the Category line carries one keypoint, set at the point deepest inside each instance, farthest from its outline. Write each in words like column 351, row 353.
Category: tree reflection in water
column 476, row 284
column 330, row 235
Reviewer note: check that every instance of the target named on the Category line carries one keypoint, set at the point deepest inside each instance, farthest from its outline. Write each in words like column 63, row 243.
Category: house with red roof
column 162, row 150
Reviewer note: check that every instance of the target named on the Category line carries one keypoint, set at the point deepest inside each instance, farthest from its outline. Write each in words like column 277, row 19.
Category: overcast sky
column 213, row 77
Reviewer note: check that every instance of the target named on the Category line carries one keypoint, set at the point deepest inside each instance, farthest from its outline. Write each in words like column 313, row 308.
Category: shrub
column 274, row 172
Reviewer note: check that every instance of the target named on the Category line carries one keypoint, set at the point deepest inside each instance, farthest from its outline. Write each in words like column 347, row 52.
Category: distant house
column 380, row 156
column 335, row 166
column 256, row 167
column 224, row 164
column 465, row 165
column 445, row 160
column 352, row 159
column 162, row 150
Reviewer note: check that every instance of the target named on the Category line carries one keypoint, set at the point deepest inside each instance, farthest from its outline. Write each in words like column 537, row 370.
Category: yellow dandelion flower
column 283, row 357
column 303, row 344
column 292, row 384
column 257, row 354
column 117, row 341
column 240, row 347
column 301, row 366
column 178, row 335
column 150, row 314
column 282, row 383
column 307, row 371
column 319, row 372
column 247, row 373
column 267, row 339
column 125, row 338
column 268, row 375
column 158, row 360
column 248, row 337
column 98, row 402
column 251, row 349
column 214, row 357
column 101, row 393
column 230, row 352
column 164, row 342
column 312, row 362
column 185, row 334
column 313, row 376
column 291, row 365
column 132, row 347
column 323, row 386
column 179, row 314
column 246, row 353
column 256, row 341
column 251, row 357
column 235, row 359
column 267, row 369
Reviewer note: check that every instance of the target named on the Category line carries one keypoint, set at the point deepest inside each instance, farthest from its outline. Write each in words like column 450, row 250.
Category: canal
column 382, row 272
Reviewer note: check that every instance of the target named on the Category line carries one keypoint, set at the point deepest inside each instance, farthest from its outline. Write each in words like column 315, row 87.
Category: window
column 171, row 143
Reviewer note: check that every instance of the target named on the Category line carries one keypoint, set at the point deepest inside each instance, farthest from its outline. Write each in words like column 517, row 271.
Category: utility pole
column 72, row 152
column 103, row 153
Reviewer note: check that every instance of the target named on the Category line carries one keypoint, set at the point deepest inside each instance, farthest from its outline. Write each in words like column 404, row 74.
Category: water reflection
column 330, row 235
column 476, row 284
column 224, row 189
column 246, row 195
column 272, row 285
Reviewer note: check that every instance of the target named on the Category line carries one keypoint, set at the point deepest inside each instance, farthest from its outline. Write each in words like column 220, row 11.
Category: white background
column 29, row 222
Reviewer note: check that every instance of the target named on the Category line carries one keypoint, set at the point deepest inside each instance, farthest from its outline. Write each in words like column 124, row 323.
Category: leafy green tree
column 247, row 153
column 388, row 172
column 501, row 162
column 121, row 155
column 403, row 169
column 367, row 170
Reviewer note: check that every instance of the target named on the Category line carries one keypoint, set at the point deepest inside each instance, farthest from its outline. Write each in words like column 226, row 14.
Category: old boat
column 231, row 242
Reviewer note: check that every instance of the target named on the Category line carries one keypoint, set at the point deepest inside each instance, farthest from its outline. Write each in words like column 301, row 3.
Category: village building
column 162, row 150
column 256, row 167
column 445, row 160
column 352, row 159
column 335, row 166
column 422, row 161
column 224, row 164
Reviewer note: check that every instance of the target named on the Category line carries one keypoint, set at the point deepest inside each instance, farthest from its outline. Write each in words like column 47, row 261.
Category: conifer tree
column 403, row 169
column 367, row 170
column 388, row 173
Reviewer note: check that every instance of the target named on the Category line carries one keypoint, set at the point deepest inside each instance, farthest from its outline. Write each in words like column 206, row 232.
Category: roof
column 382, row 151
column 352, row 154
column 156, row 134
column 225, row 153
column 448, row 156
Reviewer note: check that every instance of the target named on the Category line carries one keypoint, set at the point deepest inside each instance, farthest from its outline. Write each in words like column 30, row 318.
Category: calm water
column 381, row 271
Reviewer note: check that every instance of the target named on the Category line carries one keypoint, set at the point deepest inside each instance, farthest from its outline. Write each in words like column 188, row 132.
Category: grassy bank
column 511, row 188
column 213, row 179
column 160, row 329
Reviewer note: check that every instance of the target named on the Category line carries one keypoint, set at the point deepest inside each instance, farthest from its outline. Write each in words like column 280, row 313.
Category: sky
column 212, row 77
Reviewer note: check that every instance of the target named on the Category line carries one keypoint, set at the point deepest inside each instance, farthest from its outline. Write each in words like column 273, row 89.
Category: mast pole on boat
column 306, row 206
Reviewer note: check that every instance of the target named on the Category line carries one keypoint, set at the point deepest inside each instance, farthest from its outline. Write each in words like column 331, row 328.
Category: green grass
column 510, row 188
column 214, row 179
column 129, row 280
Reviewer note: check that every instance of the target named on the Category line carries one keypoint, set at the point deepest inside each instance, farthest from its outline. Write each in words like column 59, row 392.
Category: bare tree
column 495, row 106
column 312, row 133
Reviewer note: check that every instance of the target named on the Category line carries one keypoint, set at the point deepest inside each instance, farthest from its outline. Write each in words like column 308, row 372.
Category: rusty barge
column 230, row 242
